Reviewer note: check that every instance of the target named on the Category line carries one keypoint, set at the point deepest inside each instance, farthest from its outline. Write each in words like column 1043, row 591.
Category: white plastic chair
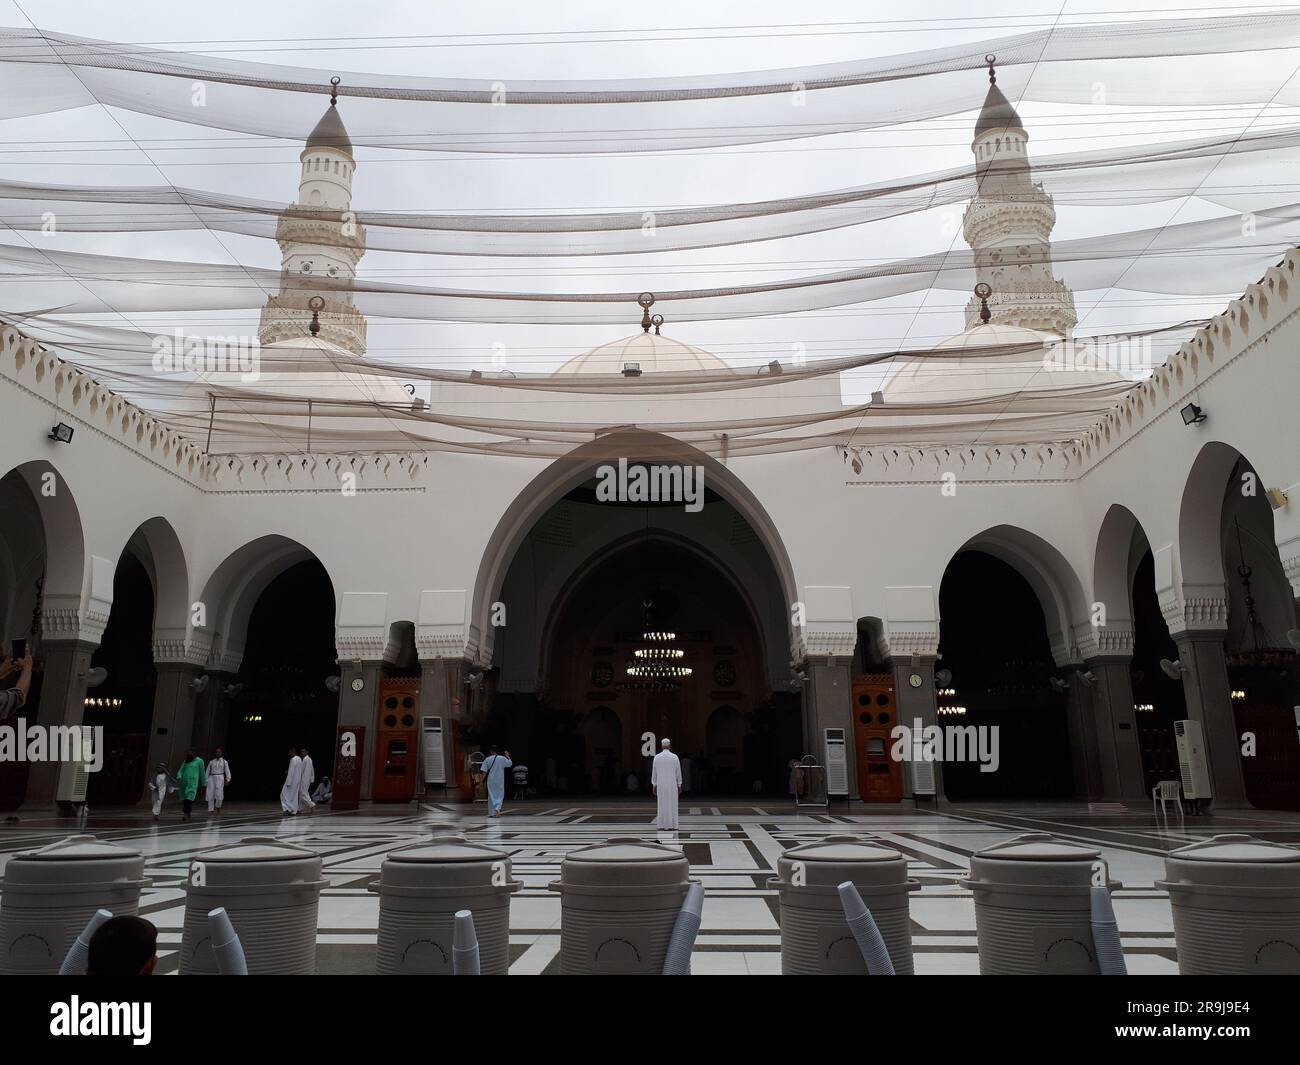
column 1167, row 791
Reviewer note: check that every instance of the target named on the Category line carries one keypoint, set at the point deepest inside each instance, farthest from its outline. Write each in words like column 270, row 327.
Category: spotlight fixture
column 1087, row 676
column 1277, row 498
column 198, row 685
column 61, row 433
column 232, row 691
column 943, row 678
column 1192, row 414
column 1058, row 685
column 333, row 684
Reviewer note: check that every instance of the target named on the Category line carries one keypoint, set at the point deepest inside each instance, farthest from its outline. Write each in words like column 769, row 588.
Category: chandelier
column 658, row 664
column 1262, row 654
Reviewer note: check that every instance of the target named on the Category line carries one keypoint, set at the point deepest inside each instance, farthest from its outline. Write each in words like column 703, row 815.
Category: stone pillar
column 361, row 708
column 212, row 713
column 917, row 703
column 828, row 703
column 1085, row 770
column 1209, row 700
column 62, row 702
column 440, row 681
column 172, row 731
column 1115, row 728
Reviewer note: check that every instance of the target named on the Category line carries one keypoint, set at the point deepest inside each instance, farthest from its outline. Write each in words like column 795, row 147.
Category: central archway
column 561, row 698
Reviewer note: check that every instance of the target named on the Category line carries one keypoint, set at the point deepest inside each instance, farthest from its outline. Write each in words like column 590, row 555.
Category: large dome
column 654, row 354
column 996, row 359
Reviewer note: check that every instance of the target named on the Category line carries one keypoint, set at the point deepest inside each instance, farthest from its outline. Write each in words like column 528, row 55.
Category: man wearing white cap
column 666, row 781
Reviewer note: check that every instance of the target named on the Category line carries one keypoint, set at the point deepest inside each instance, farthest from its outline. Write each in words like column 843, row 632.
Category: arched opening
column 42, row 564
column 1226, row 540
column 567, row 694
column 993, row 640
column 1125, row 586
column 123, row 705
column 279, row 697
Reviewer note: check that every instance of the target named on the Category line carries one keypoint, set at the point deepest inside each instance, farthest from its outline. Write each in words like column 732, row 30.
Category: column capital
column 64, row 620
column 1104, row 641
column 176, row 647
column 913, row 641
column 1195, row 607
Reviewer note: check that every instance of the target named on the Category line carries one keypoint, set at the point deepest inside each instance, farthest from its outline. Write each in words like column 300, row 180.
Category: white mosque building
column 225, row 574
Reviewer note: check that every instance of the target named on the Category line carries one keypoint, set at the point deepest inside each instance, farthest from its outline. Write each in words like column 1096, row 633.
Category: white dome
column 654, row 354
column 1016, row 360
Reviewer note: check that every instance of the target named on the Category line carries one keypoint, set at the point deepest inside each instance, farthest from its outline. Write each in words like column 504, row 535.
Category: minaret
column 1009, row 226
column 321, row 244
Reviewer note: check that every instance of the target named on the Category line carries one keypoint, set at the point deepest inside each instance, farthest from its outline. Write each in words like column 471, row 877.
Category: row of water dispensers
column 629, row 906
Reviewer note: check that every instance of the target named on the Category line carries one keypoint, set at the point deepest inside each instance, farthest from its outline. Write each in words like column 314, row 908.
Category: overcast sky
column 505, row 40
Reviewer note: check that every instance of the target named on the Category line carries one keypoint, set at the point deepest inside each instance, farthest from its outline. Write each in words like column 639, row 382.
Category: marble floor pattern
column 732, row 848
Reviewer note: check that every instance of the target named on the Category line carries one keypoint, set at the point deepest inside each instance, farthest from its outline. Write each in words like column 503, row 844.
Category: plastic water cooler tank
column 618, row 903
column 420, row 889
column 271, row 890
column 1236, row 903
column 50, row 894
column 815, row 938
column 1033, row 911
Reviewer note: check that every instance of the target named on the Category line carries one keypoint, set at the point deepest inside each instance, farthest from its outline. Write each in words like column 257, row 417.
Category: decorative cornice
column 67, row 624
column 1104, row 641
column 1205, row 610
column 360, row 646
column 906, row 643
column 983, row 464
column 178, row 648
column 824, row 639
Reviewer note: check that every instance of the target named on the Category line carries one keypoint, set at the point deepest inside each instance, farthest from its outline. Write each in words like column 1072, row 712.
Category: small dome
column 654, row 354
column 330, row 133
column 995, row 359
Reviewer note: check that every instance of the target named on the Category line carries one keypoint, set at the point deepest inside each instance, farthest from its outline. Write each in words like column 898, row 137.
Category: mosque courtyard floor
column 732, row 848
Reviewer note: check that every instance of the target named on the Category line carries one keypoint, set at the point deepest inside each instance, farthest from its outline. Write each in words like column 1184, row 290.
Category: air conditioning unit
column 74, row 780
column 1193, row 762
column 435, row 770
column 837, row 763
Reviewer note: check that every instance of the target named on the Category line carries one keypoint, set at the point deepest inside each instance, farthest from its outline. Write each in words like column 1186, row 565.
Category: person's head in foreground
column 665, row 743
column 123, row 946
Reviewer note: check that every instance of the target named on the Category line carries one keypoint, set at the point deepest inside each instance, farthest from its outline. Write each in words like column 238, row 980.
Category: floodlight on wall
column 943, row 678
column 231, row 691
column 1277, row 498
column 333, row 684
column 61, row 433
column 1173, row 670
column 94, row 677
column 1058, row 685
column 198, row 685
column 1192, row 414
column 1087, row 677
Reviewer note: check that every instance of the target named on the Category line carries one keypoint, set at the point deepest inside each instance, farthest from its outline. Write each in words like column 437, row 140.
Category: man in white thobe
column 304, row 785
column 666, row 782
column 218, row 774
column 292, row 784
